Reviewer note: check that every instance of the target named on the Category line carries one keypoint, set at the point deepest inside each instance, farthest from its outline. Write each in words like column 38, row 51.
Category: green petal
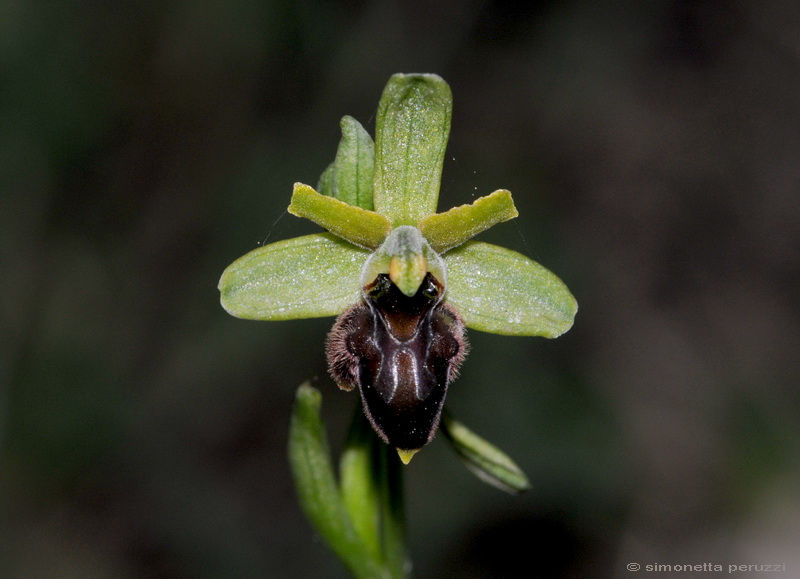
column 305, row 277
column 457, row 225
column 355, row 165
column 503, row 292
column 412, row 126
column 363, row 228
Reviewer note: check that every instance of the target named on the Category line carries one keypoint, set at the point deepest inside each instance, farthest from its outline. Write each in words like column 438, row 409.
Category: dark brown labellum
column 402, row 352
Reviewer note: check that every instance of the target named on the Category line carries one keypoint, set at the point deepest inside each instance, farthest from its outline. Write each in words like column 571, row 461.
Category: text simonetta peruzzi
column 716, row 567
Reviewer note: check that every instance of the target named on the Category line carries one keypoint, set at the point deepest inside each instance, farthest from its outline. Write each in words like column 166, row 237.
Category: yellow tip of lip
column 406, row 455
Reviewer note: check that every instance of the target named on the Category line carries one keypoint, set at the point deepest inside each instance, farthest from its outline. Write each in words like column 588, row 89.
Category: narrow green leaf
column 360, row 482
column 488, row 462
column 309, row 456
column 503, row 292
column 457, row 225
column 412, row 127
column 305, row 277
column 355, row 165
column 363, row 228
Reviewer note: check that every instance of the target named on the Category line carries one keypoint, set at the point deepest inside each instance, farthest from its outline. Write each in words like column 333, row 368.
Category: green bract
column 369, row 198
column 487, row 461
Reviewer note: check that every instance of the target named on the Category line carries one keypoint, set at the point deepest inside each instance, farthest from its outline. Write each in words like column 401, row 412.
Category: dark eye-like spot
column 379, row 288
column 429, row 288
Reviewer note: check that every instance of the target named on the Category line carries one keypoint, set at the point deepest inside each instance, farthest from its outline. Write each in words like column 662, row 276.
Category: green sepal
column 355, row 165
column 412, row 127
column 310, row 459
column 489, row 463
column 358, row 226
column 304, row 277
column 459, row 224
column 501, row 291
column 349, row 177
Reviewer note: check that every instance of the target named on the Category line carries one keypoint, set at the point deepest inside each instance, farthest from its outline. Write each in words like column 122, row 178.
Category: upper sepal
column 412, row 127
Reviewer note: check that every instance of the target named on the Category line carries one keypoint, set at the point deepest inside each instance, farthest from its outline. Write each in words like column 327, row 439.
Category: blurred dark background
column 653, row 150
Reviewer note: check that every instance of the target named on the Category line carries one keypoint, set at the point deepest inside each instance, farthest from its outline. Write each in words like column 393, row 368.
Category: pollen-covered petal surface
column 500, row 291
column 305, row 277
